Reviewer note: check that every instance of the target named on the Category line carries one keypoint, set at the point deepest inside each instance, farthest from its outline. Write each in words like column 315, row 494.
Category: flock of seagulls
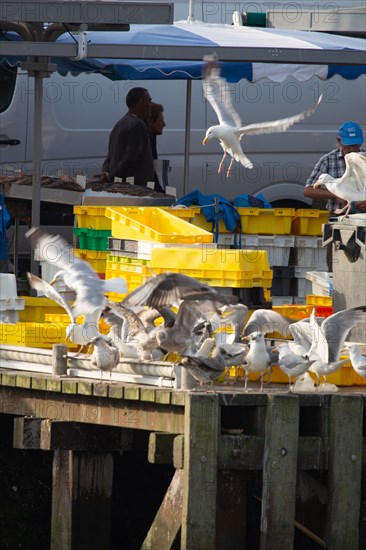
column 194, row 318
column 230, row 131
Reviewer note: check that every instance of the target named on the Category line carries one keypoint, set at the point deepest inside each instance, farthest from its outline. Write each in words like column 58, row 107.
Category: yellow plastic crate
column 211, row 258
column 240, row 279
column 65, row 319
column 35, row 309
column 315, row 300
column 154, row 225
column 133, row 280
column 297, row 312
column 266, row 221
column 345, row 376
column 92, row 217
column 183, row 213
column 200, row 221
column 309, row 222
column 35, row 335
column 96, row 258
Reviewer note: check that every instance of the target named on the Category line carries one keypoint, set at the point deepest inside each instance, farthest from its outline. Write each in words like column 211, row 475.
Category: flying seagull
column 78, row 333
column 230, row 129
column 77, row 274
column 168, row 289
column 352, row 185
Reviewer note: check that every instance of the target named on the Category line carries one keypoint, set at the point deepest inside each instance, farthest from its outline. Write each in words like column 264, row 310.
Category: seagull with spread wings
column 230, row 129
column 352, row 185
column 77, row 274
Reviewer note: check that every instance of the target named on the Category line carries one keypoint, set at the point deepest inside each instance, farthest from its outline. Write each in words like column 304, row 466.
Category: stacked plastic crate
column 147, row 241
column 308, row 254
column 91, row 235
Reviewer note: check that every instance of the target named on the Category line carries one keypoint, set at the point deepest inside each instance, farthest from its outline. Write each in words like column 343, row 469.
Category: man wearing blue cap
column 350, row 139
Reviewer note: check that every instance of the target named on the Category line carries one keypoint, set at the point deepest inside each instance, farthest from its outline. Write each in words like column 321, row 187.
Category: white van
column 79, row 112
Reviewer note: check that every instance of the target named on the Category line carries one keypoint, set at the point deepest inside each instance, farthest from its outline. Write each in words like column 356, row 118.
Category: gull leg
column 261, row 388
column 246, row 380
column 228, row 173
column 221, row 163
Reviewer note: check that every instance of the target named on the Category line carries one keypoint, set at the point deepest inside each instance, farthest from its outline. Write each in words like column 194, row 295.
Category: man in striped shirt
column 350, row 139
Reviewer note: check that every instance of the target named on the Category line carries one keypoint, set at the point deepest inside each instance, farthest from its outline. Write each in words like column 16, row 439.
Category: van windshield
column 7, row 86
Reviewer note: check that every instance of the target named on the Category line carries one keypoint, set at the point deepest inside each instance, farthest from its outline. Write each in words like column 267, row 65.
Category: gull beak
column 245, row 338
column 316, row 184
column 52, row 282
column 204, row 141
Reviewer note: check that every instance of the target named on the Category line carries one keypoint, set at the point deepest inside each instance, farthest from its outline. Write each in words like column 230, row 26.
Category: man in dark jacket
column 129, row 149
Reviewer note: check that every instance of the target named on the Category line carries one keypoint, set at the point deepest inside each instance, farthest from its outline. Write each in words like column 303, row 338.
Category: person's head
column 156, row 121
column 350, row 137
column 138, row 101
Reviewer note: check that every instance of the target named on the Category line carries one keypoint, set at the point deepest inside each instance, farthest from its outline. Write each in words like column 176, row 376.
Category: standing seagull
column 257, row 359
column 291, row 363
column 105, row 355
column 230, row 130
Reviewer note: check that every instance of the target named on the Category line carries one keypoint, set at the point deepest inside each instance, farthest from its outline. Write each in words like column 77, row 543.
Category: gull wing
column 55, row 250
column 302, row 335
column 169, row 288
column 135, row 327
column 187, row 318
column 218, row 95
column 336, row 327
column 275, row 125
column 48, row 290
column 355, row 173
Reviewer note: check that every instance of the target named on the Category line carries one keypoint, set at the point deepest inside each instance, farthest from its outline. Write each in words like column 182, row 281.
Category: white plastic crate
column 277, row 247
column 8, row 286
column 9, row 316
column 309, row 252
column 11, row 304
column 322, row 282
column 303, row 285
column 281, row 300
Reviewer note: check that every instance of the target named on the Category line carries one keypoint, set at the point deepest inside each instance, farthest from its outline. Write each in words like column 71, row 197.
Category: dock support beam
column 81, row 500
column 200, row 471
column 279, row 473
column 344, row 472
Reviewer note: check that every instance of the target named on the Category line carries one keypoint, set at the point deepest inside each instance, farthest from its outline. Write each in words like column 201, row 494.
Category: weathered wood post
column 200, row 471
column 59, row 359
column 344, row 471
column 279, row 473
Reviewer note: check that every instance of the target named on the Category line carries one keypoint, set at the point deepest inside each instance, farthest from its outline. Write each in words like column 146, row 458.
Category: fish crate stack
column 121, row 240
column 308, row 254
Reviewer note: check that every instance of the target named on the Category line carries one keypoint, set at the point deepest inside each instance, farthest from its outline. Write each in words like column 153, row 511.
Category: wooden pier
column 262, row 465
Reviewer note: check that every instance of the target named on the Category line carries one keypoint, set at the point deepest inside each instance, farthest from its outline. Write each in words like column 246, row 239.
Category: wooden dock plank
column 279, row 473
column 168, row 520
column 200, row 471
column 344, row 472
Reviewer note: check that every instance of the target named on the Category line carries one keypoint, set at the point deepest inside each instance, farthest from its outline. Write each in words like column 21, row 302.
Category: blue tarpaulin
column 4, row 225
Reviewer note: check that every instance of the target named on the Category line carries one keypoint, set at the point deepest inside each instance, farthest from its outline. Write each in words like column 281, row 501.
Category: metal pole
column 37, row 150
column 187, row 136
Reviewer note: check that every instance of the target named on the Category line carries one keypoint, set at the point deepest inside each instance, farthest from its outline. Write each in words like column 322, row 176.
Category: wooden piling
column 279, row 473
column 200, row 471
column 344, row 472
